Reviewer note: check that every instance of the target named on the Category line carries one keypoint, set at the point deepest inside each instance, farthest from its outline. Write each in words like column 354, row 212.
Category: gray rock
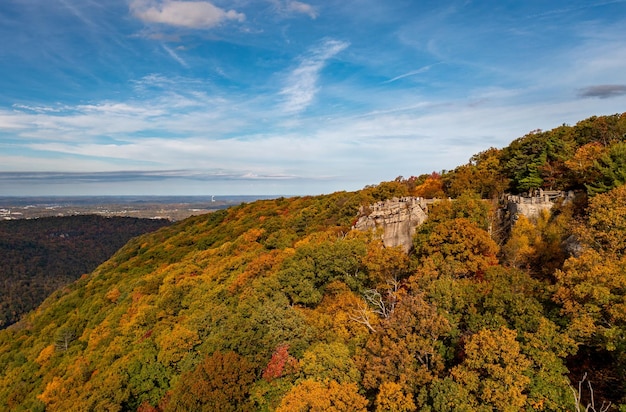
column 398, row 219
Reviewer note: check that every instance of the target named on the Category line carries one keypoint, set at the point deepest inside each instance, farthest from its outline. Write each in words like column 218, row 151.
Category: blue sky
column 288, row 97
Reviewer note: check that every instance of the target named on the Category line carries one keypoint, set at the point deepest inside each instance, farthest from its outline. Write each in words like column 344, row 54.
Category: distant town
column 172, row 208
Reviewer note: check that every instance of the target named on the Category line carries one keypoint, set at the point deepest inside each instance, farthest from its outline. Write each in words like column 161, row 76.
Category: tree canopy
column 278, row 305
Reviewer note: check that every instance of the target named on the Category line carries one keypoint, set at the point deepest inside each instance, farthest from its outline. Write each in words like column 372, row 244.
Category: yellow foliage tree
column 457, row 247
column 590, row 289
column 45, row 355
column 392, row 398
column 330, row 361
column 175, row 344
column 385, row 264
column 520, row 249
column 605, row 230
column 329, row 396
column 494, row 370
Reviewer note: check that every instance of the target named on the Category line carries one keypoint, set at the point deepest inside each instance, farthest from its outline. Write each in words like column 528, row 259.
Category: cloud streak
column 175, row 56
column 411, row 73
column 302, row 82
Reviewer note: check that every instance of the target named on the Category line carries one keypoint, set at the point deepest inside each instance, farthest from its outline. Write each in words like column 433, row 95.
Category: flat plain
column 173, row 208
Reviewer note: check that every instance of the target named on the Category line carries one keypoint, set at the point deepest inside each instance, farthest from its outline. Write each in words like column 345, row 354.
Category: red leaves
column 280, row 364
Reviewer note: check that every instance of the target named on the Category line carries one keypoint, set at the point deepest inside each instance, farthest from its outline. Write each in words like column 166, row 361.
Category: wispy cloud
column 144, row 143
column 191, row 14
column 76, row 12
column 175, row 56
column 586, row 5
column 304, row 8
column 411, row 73
column 603, row 91
column 301, row 86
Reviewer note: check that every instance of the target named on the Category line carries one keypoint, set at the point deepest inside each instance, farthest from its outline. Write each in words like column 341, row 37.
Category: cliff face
column 532, row 206
column 398, row 219
column 530, row 210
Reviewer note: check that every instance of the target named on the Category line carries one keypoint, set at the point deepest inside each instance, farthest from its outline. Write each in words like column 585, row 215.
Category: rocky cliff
column 532, row 206
column 397, row 218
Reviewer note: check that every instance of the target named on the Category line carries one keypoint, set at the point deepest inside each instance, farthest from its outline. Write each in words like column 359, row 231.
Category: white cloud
column 9, row 120
column 192, row 14
column 301, row 86
column 409, row 138
column 304, row 8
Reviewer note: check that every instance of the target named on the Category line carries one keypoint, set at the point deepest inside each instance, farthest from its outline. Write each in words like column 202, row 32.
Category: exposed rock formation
column 398, row 219
column 532, row 206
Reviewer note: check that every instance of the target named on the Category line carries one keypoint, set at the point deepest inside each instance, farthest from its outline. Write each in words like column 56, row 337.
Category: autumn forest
column 278, row 305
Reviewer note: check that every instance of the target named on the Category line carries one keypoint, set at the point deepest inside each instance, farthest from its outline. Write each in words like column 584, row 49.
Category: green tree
column 329, row 361
column 314, row 265
column 63, row 337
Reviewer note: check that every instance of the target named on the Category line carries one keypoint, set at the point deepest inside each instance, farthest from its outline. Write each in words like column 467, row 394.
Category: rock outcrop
column 398, row 218
column 532, row 206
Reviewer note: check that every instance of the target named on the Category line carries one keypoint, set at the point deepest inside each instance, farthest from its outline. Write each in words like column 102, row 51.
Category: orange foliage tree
column 406, row 347
column 431, row 188
column 220, row 382
column 329, row 396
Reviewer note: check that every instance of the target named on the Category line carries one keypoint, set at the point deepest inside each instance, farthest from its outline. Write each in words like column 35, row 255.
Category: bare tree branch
column 591, row 406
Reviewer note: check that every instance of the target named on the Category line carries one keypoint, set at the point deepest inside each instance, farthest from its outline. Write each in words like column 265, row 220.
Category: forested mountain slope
column 279, row 305
column 589, row 156
column 40, row 255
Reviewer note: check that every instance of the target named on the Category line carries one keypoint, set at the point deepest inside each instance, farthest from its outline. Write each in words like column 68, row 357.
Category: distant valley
column 172, row 208
column 49, row 242
column 41, row 255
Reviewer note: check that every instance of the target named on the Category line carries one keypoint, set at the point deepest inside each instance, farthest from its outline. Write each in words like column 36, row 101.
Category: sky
column 286, row 97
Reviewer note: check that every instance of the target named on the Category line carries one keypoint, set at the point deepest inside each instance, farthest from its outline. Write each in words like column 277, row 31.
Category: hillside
column 589, row 156
column 278, row 305
column 41, row 255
